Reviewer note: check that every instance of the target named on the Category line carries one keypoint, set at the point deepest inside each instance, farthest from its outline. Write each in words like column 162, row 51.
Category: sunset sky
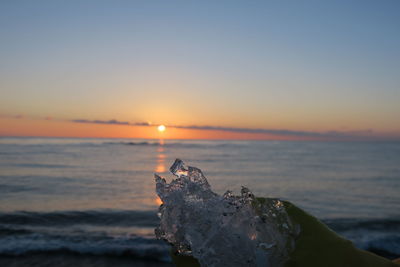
column 205, row 69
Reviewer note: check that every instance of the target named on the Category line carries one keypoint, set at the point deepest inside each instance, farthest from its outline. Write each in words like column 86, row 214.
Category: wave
column 5, row 188
column 45, row 143
column 26, row 232
column 366, row 224
column 14, row 242
column 89, row 217
column 132, row 143
column 38, row 165
column 91, row 232
column 176, row 144
column 138, row 247
column 381, row 236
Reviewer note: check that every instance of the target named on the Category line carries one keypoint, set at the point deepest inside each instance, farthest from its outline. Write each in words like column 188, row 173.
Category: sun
column 161, row 128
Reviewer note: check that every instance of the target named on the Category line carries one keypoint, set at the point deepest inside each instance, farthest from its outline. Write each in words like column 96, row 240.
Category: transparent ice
column 223, row 230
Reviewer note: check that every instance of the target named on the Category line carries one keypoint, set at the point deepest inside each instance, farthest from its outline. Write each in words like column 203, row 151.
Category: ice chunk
column 223, row 230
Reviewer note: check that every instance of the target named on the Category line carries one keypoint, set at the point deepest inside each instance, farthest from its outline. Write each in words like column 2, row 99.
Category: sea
column 92, row 202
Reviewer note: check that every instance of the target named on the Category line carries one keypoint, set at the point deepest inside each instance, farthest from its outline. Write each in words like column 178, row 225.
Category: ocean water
column 95, row 198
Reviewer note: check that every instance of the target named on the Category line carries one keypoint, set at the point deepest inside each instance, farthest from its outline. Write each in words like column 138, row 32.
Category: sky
column 206, row 69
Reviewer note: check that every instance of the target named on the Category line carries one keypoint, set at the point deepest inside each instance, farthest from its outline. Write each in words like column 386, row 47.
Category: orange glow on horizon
column 58, row 128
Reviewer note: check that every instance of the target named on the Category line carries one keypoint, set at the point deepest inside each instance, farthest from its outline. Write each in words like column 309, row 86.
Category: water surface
column 97, row 196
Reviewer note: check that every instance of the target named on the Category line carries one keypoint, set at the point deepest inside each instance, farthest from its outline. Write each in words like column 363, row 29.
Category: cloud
column 282, row 132
column 278, row 132
column 102, row 122
column 113, row 122
column 15, row 116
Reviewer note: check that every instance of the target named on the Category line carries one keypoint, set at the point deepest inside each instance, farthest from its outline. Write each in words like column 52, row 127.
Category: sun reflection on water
column 158, row 201
column 160, row 160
